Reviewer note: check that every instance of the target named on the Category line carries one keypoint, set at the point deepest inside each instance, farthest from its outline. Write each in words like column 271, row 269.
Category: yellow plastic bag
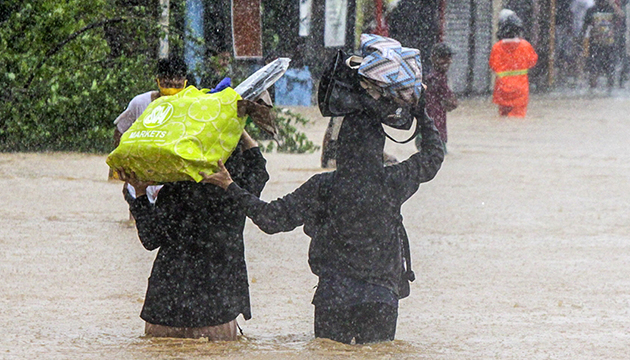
column 178, row 136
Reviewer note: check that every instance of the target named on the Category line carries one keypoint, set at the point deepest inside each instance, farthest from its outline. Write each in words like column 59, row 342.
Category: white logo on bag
column 159, row 115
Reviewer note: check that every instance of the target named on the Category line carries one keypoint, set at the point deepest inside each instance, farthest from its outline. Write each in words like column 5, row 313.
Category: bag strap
column 411, row 276
column 354, row 61
column 413, row 136
column 418, row 110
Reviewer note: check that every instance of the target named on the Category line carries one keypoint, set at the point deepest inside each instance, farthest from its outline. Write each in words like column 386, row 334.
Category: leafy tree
column 63, row 87
column 68, row 68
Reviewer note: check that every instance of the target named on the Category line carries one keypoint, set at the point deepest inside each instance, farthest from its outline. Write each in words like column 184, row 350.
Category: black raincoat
column 353, row 214
column 199, row 277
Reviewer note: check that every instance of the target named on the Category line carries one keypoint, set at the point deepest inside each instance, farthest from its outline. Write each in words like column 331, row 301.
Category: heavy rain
column 314, row 179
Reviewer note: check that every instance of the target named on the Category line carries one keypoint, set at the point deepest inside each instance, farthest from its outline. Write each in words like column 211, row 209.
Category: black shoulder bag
column 339, row 88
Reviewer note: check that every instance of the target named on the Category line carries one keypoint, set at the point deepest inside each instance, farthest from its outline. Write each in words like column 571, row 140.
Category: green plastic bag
column 178, row 136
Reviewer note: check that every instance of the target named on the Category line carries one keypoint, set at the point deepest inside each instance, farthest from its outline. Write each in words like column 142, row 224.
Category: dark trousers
column 365, row 323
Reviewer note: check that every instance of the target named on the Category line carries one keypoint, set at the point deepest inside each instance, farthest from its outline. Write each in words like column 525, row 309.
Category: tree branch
column 61, row 44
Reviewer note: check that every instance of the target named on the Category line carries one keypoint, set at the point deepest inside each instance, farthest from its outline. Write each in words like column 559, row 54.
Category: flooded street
column 520, row 246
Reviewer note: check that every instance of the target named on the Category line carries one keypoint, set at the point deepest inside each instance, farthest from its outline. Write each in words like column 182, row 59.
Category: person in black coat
column 198, row 284
column 358, row 246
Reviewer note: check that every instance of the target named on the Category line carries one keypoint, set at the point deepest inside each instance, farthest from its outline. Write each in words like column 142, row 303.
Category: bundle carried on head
column 177, row 136
column 385, row 70
column 180, row 135
column 390, row 69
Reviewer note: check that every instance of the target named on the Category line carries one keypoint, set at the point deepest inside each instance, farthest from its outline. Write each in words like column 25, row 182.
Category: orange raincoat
column 510, row 59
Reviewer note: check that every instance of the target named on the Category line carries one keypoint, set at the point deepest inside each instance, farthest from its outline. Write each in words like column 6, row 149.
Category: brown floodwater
column 520, row 246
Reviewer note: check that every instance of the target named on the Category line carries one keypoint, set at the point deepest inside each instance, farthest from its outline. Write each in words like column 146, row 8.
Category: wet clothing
column 199, row 277
column 366, row 323
column 136, row 107
column 601, row 60
column 437, row 92
column 337, row 289
column 353, row 214
column 511, row 59
column 223, row 332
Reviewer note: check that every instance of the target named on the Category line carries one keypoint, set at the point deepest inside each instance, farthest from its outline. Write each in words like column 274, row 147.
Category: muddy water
column 520, row 247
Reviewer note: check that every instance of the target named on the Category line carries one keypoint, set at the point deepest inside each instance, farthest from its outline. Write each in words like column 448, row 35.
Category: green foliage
column 68, row 68
column 62, row 95
column 289, row 139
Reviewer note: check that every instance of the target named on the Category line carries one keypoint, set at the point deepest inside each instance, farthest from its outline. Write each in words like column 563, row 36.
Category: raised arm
column 421, row 166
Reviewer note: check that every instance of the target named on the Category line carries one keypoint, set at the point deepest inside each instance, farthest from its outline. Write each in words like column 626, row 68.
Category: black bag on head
column 339, row 88
column 340, row 93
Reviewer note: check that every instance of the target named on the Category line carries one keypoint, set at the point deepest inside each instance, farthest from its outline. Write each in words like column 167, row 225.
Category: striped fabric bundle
column 396, row 70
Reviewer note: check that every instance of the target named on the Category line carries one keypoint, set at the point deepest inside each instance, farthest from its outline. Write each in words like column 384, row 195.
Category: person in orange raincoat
column 510, row 59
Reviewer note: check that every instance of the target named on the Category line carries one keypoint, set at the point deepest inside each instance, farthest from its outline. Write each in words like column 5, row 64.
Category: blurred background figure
column 565, row 49
column 604, row 25
column 439, row 97
column 580, row 51
column 511, row 58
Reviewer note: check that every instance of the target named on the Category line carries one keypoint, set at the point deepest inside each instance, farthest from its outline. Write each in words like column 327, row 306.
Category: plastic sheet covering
column 261, row 80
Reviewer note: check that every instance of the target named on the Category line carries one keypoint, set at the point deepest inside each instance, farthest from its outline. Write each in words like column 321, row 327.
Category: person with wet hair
column 510, row 59
column 198, row 284
column 359, row 248
column 170, row 79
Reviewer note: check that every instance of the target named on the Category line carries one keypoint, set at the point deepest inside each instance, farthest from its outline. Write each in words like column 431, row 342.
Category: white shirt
column 123, row 122
column 136, row 107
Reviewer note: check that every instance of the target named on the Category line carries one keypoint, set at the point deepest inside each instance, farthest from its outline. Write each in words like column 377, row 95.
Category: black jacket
column 354, row 223
column 199, row 277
